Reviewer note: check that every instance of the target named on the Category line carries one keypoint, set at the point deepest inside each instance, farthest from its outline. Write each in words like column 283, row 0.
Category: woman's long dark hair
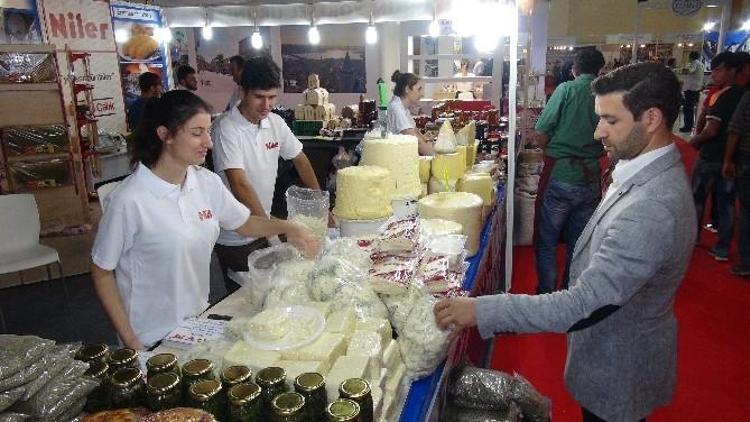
column 172, row 110
column 403, row 81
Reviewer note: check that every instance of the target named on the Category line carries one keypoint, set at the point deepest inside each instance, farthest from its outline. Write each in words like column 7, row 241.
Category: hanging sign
column 686, row 7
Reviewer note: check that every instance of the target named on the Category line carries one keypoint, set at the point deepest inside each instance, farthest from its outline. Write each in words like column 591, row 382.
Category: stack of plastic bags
column 40, row 380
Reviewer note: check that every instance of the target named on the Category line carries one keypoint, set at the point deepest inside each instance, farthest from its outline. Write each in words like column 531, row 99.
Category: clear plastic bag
column 479, row 388
column 27, row 68
column 72, row 412
column 309, row 208
column 423, row 344
column 18, row 352
column 535, row 407
column 460, row 414
column 13, row 417
column 7, row 398
column 261, row 266
column 58, row 359
column 392, row 272
column 25, row 140
column 62, row 392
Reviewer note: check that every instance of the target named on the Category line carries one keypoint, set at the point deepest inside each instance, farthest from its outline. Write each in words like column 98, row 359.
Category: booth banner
column 686, row 7
column 86, row 26
column 19, row 22
column 139, row 50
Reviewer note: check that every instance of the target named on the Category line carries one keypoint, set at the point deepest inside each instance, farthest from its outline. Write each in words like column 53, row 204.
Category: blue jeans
column 707, row 178
column 743, row 193
column 565, row 210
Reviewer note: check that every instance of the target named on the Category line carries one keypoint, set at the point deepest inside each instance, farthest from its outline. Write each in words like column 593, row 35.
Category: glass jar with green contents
column 233, row 375
column 194, row 371
column 288, row 407
column 92, row 352
column 272, row 381
column 206, row 395
column 163, row 391
column 162, row 363
column 312, row 386
column 97, row 399
column 245, row 403
column 343, row 410
column 359, row 390
column 122, row 358
column 127, row 388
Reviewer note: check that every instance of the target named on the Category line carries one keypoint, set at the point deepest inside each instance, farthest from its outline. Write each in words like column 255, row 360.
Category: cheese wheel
column 454, row 165
column 363, row 193
column 439, row 227
column 462, row 207
column 400, row 155
column 425, row 164
column 478, row 183
column 462, row 151
column 438, row 185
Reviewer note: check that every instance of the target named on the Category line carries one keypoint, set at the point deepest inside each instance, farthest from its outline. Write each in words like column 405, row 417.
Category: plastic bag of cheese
column 392, row 272
column 261, row 266
column 423, row 344
column 397, row 234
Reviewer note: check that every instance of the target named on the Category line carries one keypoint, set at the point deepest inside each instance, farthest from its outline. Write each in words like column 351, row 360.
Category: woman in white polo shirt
column 153, row 247
column 407, row 93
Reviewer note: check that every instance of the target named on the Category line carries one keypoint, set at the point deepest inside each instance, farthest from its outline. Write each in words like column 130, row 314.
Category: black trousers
column 235, row 258
column 688, row 108
column 590, row 417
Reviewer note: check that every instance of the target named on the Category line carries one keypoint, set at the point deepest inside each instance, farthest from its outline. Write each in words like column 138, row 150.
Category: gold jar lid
column 124, row 356
column 197, row 367
column 242, row 394
column 162, row 383
column 287, row 404
column 270, row 376
column 205, row 390
column 92, row 352
column 97, row 369
column 161, row 362
column 125, row 377
column 237, row 374
column 343, row 410
column 354, row 388
column 309, row 382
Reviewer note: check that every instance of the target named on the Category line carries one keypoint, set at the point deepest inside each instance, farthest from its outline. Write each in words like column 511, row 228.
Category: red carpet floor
column 713, row 310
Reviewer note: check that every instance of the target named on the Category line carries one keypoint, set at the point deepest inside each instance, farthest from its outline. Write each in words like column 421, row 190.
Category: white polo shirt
column 239, row 144
column 399, row 117
column 158, row 239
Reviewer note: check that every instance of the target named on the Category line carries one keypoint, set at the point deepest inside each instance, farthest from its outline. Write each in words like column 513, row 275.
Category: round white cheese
column 363, row 193
column 400, row 155
column 462, row 207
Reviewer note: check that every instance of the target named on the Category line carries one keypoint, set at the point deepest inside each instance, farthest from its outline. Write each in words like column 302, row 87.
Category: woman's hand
column 456, row 313
column 303, row 239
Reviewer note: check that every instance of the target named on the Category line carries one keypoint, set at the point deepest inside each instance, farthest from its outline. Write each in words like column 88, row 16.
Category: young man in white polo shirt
column 248, row 141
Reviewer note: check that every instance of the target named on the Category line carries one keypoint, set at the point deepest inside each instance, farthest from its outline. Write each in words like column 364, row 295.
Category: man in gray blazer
column 627, row 264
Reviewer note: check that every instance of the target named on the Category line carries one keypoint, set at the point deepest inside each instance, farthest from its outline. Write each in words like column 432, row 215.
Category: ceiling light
column 371, row 34
column 690, row 44
column 712, row 5
column 256, row 40
column 643, row 45
column 680, row 45
column 207, row 32
column 708, row 26
column 313, row 35
column 121, row 35
column 434, row 29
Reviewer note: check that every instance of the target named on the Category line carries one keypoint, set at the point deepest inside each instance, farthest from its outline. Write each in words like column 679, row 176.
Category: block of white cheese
column 242, row 353
column 393, row 385
column 299, row 112
column 294, row 368
column 368, row 344
column 441, row 185
column 345, row 367
column 342, row 322
column 364, row 193
column 400, row 155
column 385, row 413
column 392, row 356
column 446, row 139
column 383, row 378
column 477, row 183
column 462, row 207
column 316, row 96
column 379, row 325
column 309, row 112
column 269, row 325
column 448, row 166
column 377, row 401
column 467, row 135
column 326, row 349
column 425, row 164
column 439, row 227
column 325, row 112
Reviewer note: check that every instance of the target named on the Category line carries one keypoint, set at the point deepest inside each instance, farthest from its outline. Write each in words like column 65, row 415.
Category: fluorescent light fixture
column 164, row 35
column 570, row 48
column 712, row 5
column 690, row 44
column 746, row 25
column 256, row 40
column 643, row 45
column 122, row 35
column 207, row 32
column 434, row 29
column 371, row 34
column 708, row 26
column 313, row 36
column 680, row 45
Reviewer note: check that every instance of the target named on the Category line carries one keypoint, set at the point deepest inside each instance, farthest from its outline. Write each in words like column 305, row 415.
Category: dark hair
column 238, row 61
column 645, row 85
column 147, row 80
column 260, row 73
column 403, row 81
column 743, row 59
column 726, row 58
column 588, row 61
column 694, row 55
column 172, row 110
column 183, row 72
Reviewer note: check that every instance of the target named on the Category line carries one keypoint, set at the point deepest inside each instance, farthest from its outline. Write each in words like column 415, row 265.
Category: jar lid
column 343, row 410
column 286, row 404
column 270, row 376
column 354, row 388
column 123, row 356
column 92, row 352
column 205, row 390
column 97, row 369
column 161, row 361
column 162, row 383
column 236, row 374
column 242, row 394
column 309, row 381
column 125, row 377
column 197, row 367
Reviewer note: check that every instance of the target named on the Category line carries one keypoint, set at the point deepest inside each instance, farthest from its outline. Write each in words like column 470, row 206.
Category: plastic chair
column 103, row 192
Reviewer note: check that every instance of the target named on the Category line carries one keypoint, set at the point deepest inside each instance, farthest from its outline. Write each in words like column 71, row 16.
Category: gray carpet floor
column 41, row 309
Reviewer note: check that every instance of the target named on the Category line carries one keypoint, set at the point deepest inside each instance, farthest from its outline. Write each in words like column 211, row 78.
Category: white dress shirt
column 625, row 169
column 399, row 117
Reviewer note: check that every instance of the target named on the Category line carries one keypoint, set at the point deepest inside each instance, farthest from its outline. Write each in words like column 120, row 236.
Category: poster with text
column 19, row 22
column 341, row 69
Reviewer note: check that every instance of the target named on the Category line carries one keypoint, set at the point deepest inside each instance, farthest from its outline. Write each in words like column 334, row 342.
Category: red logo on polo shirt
column 205, row 215
column 271, row 145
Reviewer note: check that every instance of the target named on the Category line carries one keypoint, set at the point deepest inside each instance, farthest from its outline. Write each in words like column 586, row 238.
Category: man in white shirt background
column 236, row 64
column 691, row 88
column 186, row 78
column 248, row 141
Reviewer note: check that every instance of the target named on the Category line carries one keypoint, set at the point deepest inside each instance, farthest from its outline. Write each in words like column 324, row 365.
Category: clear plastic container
column 310, row 208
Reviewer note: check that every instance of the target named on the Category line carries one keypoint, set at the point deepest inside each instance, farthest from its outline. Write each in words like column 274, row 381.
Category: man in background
column 691, row 88
column 236, row 63
column 569, row 189
column 186, row 78
column 150, row 85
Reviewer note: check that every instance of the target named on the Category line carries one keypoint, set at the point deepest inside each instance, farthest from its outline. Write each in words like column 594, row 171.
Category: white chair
column 103, row 192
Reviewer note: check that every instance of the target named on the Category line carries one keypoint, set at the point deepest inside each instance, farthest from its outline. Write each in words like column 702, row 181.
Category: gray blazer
column 633, row 253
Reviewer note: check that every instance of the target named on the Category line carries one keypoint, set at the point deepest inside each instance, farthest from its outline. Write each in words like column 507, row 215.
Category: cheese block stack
column 364, row 193
column 400, row 155
column 316, row 106
column 480, row 184
column 462, row 207
column 448, row 163
column 425, row 166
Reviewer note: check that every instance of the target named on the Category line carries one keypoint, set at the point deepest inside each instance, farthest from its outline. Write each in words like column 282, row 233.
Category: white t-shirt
column 235, row 99
column 158, row 239
column 239, row 144
column 399, row 117
column 694, row 78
